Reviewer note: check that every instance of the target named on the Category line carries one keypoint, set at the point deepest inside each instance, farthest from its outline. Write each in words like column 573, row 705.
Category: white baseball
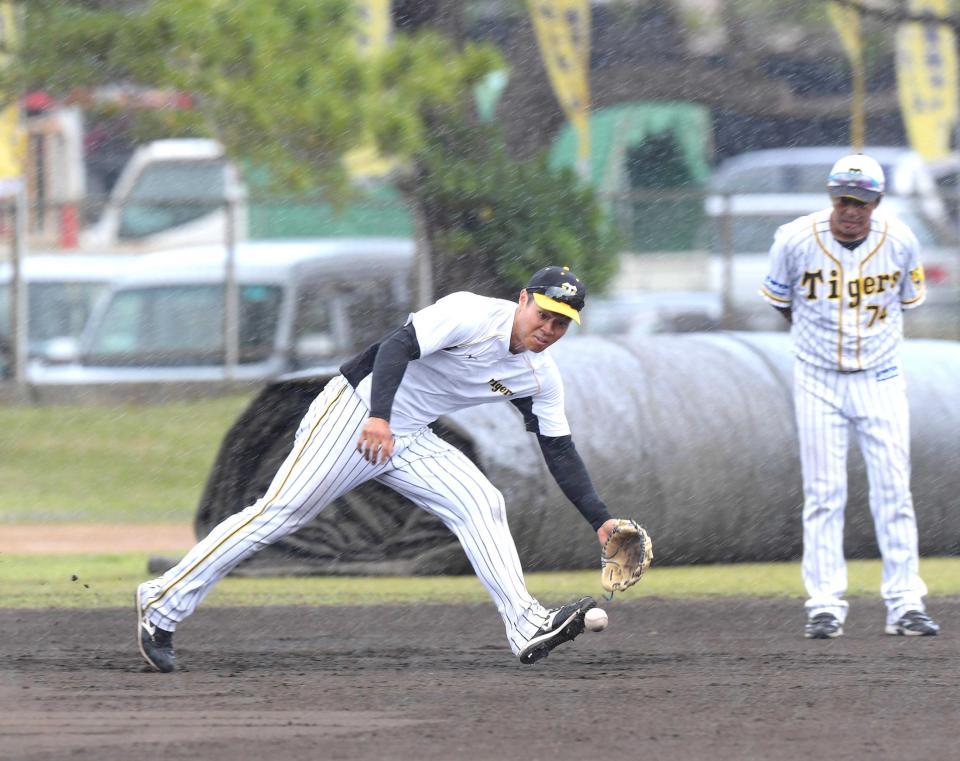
column 596, row 619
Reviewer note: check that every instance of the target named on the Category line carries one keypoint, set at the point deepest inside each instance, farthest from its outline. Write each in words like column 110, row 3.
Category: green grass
column 123, row 464
column 92, row 581
column 148, row 464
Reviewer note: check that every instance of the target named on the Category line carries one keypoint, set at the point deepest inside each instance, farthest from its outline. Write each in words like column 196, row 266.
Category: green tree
column 282, row 85
column 278, row 82
column 493, row 220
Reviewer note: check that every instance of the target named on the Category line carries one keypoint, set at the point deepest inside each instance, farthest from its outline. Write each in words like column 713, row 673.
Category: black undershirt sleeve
column 395, row 352
column 568, row 469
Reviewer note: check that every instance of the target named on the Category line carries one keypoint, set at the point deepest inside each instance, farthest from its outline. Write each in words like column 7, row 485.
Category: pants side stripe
column 267, row 502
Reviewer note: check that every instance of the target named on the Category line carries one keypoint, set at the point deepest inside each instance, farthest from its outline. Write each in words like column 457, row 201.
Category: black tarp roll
column 692, row 434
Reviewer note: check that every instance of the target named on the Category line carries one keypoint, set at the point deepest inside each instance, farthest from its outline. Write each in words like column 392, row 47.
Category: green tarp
column 636, row 150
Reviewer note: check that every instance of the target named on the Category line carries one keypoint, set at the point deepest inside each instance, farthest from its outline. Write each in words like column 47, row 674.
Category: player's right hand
column 376, row 441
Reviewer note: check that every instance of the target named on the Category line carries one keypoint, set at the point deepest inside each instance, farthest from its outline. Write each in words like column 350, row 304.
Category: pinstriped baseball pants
column 323, row 465
column 874, row 404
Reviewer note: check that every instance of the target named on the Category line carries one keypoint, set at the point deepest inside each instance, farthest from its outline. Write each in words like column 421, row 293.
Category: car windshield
column 157, row 202
column 180, row 325
column 780, row 178
column 56, row 310
column 336, row 318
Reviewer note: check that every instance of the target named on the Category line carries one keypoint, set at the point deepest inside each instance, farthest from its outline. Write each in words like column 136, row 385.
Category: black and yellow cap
column 557, row 289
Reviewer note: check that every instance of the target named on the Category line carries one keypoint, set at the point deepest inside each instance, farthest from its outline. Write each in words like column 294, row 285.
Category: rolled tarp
column 692, row 434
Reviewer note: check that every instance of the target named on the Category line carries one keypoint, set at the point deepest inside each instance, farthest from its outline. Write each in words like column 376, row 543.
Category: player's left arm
column 913, row 286
column 570, row 472
column 543, row 414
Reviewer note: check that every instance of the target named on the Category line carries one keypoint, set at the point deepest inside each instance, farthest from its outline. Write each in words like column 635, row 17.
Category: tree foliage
column 493, row 221
column 282, row 84
column 279, row 82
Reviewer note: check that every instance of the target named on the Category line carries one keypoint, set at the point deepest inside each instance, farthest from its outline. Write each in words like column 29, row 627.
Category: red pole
column 69, row 226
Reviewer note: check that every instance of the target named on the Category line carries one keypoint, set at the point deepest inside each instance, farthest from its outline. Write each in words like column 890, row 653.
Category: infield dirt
column 685, row 680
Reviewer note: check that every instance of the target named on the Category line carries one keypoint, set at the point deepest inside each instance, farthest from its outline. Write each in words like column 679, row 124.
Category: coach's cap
column 856, row 176
column 557, row 289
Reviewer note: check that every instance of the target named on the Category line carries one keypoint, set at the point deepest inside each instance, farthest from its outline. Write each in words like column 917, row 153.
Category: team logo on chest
column 831, row 286
column 499, row 387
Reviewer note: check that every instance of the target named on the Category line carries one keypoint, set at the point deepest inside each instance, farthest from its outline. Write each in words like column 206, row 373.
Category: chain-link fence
column 691, row 242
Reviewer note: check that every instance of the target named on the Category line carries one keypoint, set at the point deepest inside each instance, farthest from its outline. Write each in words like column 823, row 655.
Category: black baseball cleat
column 156, row 644
column 564, row 625
column 914, row 623
column 823, row 626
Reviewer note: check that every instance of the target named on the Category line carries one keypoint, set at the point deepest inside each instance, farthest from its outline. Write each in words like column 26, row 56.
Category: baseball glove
column 625, row 555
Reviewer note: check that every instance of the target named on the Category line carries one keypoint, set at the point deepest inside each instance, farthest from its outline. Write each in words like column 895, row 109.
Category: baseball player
column 371, row 422
column 842, row 277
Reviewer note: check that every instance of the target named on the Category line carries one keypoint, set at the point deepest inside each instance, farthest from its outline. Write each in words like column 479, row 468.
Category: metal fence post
column 231, row 310
column 423, row 258
column 18, row 290
column 726, row 279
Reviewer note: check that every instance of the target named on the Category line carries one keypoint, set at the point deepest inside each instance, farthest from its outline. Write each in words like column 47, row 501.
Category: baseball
column 596, row 619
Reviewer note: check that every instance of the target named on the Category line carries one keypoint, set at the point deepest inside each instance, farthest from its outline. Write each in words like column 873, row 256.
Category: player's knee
column 496, row 505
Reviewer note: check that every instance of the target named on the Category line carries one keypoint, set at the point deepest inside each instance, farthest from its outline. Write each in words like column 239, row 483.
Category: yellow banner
column 374, row 30
column 12, row 136
column 374, row 25
column 846, row 20
column 927, row 80
column 563, row 34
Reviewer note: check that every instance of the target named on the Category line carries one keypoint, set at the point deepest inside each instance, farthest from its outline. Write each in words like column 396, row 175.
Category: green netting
column 302, row 219
column 616, row 129
column 377, row 211
column 636, row 150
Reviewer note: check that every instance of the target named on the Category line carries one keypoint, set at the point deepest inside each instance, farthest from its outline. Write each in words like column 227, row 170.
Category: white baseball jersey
column 847, row 329
column 846, row 304
column 465, row 360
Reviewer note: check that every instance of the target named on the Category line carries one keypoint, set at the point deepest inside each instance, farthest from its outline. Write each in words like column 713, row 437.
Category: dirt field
column 30, row 539
column 668, row 680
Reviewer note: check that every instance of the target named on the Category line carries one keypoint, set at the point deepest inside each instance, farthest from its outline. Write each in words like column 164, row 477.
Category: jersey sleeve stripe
column 770, row 297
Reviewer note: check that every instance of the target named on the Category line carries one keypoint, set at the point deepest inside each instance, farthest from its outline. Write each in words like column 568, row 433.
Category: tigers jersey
column 465, row 360
column 847, row 305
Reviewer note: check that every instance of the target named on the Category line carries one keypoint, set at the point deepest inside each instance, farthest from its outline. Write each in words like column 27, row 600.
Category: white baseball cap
column 857, row 176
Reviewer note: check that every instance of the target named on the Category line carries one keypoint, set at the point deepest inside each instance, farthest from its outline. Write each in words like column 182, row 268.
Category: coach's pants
column 323, row 465
column 875, row 403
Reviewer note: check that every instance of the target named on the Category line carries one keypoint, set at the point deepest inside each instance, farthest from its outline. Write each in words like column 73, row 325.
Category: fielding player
column 371, row 422
column 843, row 277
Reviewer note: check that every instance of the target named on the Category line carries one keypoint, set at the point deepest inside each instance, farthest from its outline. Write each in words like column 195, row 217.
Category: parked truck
column 180, row 192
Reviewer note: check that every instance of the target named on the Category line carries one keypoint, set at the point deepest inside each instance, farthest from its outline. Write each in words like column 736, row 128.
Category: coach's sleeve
column 913, row 286
column 777, row 288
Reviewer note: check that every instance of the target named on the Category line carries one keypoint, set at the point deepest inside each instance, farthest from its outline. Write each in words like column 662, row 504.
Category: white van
column 171, row 193
column 62, row 290
column 799, row 171
column 302, row 303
